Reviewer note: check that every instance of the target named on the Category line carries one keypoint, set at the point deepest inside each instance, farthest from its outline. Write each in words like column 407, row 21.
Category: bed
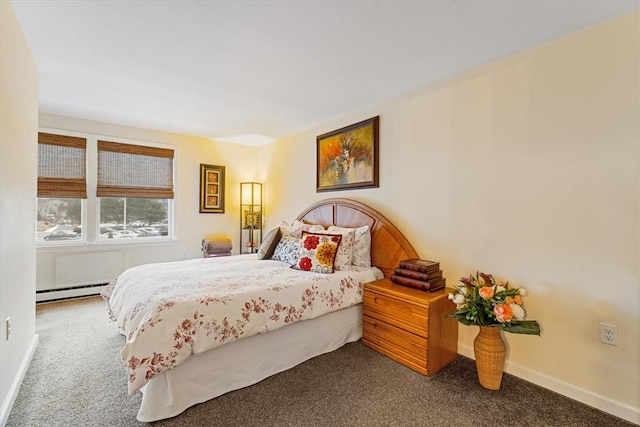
column 238, row 353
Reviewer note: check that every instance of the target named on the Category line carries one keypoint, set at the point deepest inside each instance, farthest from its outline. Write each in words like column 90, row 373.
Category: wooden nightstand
column 408, row 325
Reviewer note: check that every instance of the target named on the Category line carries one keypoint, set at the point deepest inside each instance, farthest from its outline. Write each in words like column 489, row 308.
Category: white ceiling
column 231, row 69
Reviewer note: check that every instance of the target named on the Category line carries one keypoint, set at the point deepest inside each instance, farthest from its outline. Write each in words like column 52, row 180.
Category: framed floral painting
column 211, row 189
column 347, row 158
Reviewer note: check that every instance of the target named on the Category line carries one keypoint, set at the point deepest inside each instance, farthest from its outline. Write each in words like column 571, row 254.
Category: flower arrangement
column 483, row 302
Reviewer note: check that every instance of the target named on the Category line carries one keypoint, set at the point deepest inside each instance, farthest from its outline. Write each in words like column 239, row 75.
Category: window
column 131, row 187
column 62, row 186
column 135, row 184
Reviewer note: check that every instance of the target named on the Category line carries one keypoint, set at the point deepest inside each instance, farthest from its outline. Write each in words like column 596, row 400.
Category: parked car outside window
column 61, row 235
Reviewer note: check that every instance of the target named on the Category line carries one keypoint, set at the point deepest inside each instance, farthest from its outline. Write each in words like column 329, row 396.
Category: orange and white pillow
column 318, row 252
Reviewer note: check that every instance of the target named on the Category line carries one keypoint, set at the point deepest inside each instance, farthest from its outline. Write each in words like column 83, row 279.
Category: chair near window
column 216, row 246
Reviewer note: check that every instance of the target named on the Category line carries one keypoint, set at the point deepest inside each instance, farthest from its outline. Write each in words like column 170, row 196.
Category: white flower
column 463, row 290
column 458, row 299
column 518, row 312
column 500, row 288
column 522, row 292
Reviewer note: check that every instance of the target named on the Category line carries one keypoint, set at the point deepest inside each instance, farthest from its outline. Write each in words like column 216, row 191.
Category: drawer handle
column 380, row 302
column 378, row 326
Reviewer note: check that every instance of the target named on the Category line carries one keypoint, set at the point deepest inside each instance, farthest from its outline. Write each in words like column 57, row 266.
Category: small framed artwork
column 211, row 189
column 252, row 219
column 347, row 158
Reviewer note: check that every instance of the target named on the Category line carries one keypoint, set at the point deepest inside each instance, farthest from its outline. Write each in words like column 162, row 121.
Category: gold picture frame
column 211, row 188
column 347, row 158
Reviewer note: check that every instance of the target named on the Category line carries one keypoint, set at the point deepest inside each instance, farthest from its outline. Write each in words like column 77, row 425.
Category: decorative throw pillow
column 361, row 244
column 269, row 243
column 313, row 228
column 318, row 252
column 294, row 229
column 287, row 249
column 345, row 250
column 298, row 227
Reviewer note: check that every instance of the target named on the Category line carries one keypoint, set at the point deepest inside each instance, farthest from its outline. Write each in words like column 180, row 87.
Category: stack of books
column 420, row 274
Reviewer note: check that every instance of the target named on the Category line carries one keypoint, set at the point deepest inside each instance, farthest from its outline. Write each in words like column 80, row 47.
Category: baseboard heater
column 59, row 294
column 82, row 274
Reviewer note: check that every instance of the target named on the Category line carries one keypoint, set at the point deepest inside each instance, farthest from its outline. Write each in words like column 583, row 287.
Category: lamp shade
column 251, row 193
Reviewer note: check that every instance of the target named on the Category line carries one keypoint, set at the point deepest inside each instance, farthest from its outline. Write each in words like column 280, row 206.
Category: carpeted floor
column 77, row 379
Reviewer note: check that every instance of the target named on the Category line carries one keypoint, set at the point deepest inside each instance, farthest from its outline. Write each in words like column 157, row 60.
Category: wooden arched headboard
column 388, row 244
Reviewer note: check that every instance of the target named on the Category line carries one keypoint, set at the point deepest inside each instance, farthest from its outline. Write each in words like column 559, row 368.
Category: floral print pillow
column 361, row 244
column 318, row 252
column 288, row 249
column 345, row 249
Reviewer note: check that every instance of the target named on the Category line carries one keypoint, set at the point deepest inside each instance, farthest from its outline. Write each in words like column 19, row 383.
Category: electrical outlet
column 8, row 327
column 609, row 334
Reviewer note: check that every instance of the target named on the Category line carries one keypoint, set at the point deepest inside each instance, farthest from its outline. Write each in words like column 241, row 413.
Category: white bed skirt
column 245, row 362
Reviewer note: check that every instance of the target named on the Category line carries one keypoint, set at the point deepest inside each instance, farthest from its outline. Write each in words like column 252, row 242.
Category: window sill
column 103, row 246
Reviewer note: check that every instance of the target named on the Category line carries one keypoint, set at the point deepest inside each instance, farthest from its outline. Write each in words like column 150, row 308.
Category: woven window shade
column 61, row 166
column 126, row 170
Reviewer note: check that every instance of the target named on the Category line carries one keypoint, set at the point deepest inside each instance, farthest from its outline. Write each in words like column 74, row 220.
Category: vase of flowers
column 494, row 307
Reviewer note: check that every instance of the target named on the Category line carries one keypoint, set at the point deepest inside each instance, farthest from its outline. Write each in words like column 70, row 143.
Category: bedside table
column 408, row 325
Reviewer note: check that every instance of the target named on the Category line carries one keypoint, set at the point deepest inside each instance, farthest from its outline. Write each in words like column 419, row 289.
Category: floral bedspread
column 169, row 311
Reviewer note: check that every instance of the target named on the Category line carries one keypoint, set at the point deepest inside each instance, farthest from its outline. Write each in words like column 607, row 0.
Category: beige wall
column 529, row 169
column 190, row 225
column 18, row 161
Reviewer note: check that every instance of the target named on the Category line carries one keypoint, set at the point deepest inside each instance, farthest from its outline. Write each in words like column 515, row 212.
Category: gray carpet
column 77, row 379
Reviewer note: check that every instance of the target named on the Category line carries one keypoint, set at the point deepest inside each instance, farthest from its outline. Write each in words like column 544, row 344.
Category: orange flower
column 503, row 313
column 326, row 253
column 486, row 292
column 517, row 299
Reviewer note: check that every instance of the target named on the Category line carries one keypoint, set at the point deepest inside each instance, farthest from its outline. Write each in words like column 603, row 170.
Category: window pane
column 133, row 218
column 59, row 220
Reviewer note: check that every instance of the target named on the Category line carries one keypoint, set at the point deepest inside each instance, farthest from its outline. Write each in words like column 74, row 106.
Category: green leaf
column 529, row 327
column 461, row 316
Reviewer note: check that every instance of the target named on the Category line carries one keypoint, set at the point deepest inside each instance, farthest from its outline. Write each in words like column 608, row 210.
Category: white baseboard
column 43, row 296
column 610, row 406
column 17, row 381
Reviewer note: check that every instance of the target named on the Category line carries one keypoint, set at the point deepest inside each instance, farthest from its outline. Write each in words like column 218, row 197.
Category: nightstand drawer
column 412, row 317
column 376, row 339
column 377, row 329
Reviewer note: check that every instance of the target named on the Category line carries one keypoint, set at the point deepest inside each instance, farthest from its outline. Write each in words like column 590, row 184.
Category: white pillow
column 313, row 228
column 361, row 244
column 345, row 248
column 294, row 229
column 298, row 227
